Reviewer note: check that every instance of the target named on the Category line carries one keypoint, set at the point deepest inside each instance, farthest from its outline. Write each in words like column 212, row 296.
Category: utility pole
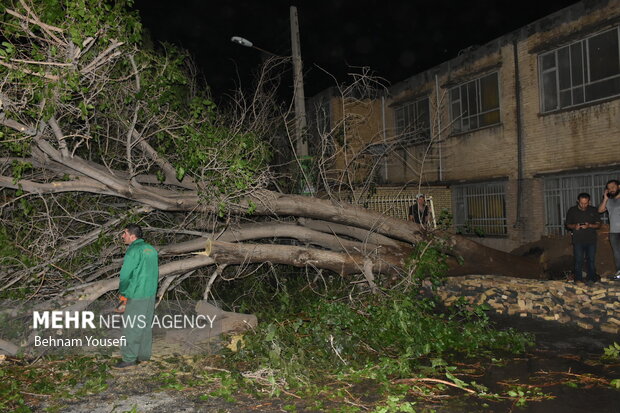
column 301, row 145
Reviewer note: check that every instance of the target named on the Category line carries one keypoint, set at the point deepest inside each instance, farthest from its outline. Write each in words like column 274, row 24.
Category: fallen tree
column 98, row 132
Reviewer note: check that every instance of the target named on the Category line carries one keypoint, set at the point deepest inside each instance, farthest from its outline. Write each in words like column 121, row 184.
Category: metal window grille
column 584, row 71
column 561, row 192
column 413, row 122
column 480, row 209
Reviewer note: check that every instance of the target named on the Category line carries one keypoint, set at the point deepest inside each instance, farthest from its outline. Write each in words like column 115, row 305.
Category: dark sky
column 395, row 38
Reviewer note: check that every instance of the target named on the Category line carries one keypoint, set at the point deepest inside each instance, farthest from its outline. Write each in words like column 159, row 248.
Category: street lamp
column 246, row 43
column 301, row 146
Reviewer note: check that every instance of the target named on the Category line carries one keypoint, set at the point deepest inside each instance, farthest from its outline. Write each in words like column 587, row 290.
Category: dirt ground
column 143, row 389
column 556, row 254
column 179, row 384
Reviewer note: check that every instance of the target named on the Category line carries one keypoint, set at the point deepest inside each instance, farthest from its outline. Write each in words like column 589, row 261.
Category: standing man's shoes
column 125, row 365
column 616, row 276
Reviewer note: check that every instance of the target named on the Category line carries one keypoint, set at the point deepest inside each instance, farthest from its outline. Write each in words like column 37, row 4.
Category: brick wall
column 569, row 140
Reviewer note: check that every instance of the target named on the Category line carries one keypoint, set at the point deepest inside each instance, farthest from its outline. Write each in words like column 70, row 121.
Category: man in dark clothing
column 138, row 283
column 418, row 212
column 611, row 204
column 583, row 220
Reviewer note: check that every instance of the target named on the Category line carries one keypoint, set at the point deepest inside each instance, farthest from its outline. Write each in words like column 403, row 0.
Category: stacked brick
column 589, row 307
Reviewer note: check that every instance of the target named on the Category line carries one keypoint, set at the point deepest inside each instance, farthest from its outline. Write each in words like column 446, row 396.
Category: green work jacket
column 140, row 271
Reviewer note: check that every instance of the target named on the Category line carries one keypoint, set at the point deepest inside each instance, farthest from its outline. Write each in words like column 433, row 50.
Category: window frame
column 415, row 135
column 585, row 68
column 459, row 119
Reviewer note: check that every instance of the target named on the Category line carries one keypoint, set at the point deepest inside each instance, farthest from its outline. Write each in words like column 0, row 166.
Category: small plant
column 395, row 404
column 469, row 229
column 426, row 262
column 612, row 352
column 445, row 220
column 525, row 395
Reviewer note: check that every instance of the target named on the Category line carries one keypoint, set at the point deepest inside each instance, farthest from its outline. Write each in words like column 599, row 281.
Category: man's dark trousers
column 588, row 251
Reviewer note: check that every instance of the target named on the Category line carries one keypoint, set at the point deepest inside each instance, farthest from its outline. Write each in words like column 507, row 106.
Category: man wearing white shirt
column 611, row 203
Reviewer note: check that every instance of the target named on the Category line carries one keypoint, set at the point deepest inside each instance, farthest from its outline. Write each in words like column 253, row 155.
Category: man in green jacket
column 138, row 283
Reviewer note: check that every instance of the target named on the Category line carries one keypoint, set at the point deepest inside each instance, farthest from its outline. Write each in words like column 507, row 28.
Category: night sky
column 395, row 38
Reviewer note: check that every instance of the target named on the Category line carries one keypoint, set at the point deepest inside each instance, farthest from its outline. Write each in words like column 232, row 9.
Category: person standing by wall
column 418, row 212
column 583, row 219
column 138, row 283
column 611, row 203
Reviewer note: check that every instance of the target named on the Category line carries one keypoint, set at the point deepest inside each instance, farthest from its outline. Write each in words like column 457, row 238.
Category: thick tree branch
column 30, row 72
column 271, row 230
column 340, row 263
column 13, row 124
column 79, row 185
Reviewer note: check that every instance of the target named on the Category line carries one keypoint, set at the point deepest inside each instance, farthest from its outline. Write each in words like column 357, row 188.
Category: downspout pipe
column 519, row 127
column 438, row 114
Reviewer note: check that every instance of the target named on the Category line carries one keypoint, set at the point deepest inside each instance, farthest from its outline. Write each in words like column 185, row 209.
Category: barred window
column 413, row 122
column 475, row 104
column 561, row 193
column 584, row 71
column 481, row 209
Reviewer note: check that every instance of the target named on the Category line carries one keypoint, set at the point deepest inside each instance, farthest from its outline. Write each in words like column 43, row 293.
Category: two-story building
column 515, row 128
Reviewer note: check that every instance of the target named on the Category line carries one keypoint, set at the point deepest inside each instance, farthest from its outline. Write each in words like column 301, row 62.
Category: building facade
column 515, row 128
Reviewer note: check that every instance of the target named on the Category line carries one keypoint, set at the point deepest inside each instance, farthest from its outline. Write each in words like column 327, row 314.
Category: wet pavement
column 564, row 368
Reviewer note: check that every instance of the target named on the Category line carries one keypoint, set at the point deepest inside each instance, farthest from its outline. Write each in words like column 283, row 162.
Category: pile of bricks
column 589, row 307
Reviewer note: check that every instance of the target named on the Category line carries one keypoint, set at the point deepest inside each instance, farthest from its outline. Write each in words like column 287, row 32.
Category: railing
column 396, row 206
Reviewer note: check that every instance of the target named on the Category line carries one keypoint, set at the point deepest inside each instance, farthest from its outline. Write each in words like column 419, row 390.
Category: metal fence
column 397, row 206
column 393, row 205
column 561, row 193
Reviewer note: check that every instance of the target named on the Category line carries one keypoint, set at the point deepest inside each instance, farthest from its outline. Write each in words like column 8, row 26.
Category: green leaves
column 612, row 352
column 51, row 377
column 394, row 333
column 460, row 383
column 7, row 49
column 180, row 173
column 525, row 395
column 426, row 262
column 19, row 167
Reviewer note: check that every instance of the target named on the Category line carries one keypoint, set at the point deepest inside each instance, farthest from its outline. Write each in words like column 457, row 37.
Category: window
column 581, row 72
column 561, row 193
column 480, row 209
column 475, row 104
column 413, row 122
